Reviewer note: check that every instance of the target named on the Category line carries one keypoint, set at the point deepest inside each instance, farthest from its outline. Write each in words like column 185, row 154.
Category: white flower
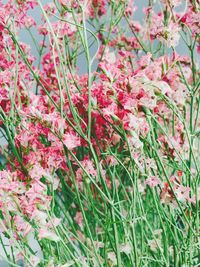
column 112, row 258
column 154, row 244
column 171, row 35
column 126, row 248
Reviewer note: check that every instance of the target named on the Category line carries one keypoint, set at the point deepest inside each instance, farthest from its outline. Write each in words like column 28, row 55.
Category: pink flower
column 111, row 160
column 198, row 48
column 182, row 193
column 115, row 139
column 79, row 219
column 46, row 234
column 71, row 141
column 152, row 181
column 50, row 9
column 22, row 226
column 37, row 172
column 145, row 60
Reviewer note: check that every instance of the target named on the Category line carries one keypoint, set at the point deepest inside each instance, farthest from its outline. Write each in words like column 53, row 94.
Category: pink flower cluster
column 130, row 92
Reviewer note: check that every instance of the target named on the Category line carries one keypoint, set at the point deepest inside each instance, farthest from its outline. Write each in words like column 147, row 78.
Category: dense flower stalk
column 100, row 161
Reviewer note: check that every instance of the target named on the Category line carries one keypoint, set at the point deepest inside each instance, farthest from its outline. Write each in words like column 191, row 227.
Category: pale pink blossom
column 46, row 234
column 182, row 193
column 71, row 141
column 152, row 181
column 79, row 219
